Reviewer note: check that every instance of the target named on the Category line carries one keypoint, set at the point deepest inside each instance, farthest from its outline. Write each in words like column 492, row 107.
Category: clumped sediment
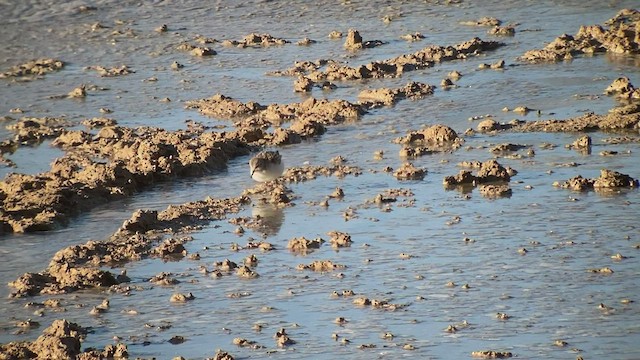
column 607, row 180
column 620, row 36
column 133, row 159
column 488, row 171
column 586, row 122
column 76, row 267
column 431, row 139
column 61, row 340
column 33, row 69
column 393, row 67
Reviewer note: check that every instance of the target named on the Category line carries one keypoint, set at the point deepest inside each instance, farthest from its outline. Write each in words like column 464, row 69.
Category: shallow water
column 549, row 293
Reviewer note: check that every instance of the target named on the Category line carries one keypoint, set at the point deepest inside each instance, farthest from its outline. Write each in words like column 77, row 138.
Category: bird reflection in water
column 269, row 217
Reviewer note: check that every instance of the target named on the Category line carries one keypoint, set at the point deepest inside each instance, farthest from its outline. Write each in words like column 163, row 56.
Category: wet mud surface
column 406, row 222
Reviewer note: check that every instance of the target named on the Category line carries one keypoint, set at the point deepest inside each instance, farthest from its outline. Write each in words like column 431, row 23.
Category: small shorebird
column 266, row 166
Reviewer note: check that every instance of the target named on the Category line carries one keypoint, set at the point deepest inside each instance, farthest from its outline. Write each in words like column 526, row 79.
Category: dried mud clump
column 483, row 21
column 409, row 172
column 623, row 89
column 99, row 122
column 339, row 239
column 196, row 50
column 307, row 118
column 436, row 138
column 272, row 192
column 491, row 354
column 502, row 31
column 304, row 245
column 33, row 69
column 111, row 72
column 392, row 195
column 256, row 40
column 608, row 180
column 308, row 172
column 164, row 278
column 412, row 37
column 181, row 298
column 583, row 143
column 76, row 267
column 303, row 84
column 620, row 37
column 222, row 355
column 32, row 130
column 587, row 122
column 170, row 248
column 377, row 304
column 495, row 191
column 321, row 266
column 354, row 41
column 386, row 96
column 283, row 339
column 245, row 271
column 61, row 340
column 116, row 162
column 507, row 147
column 394, row 67
column 225, row 107
column 488, row 171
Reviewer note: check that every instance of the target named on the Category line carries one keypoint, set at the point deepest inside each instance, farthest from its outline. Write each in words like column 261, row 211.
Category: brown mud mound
column 195, row 50
column 256, row 40
column 489, row 171
column 304, row 245
column 135, row 158
column 61, row 340
column 33, row 69
column 483, row 21
column 307, row 118
column 412, row 36
column 608, row 180
column 354, row 41
column 435, row 138
column 386, row 96
column 491, row 354
column 76, row 267
column 394, row 67
column 339, row 239
column 583, row 144
column 623, row 89
column 587, row 122
column 32, row 130
column 99, row 122
column 409, row 172
column 621, row 37
column 111, row 72
column 376, row 304
column 392, row 195
column 492, row 191
column 272, row 192
column 492, row 126
column 508, row 30
column 507, row 148
column 309, row 172
column 321, row 266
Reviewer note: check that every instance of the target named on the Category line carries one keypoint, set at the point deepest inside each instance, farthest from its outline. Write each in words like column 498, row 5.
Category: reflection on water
column 269, row 218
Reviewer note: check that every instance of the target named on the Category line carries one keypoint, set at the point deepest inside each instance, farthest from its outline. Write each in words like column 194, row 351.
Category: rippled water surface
column 548, row 292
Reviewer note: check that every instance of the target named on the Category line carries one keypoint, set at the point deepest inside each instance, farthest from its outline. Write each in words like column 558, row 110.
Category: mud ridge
column 620, row 37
